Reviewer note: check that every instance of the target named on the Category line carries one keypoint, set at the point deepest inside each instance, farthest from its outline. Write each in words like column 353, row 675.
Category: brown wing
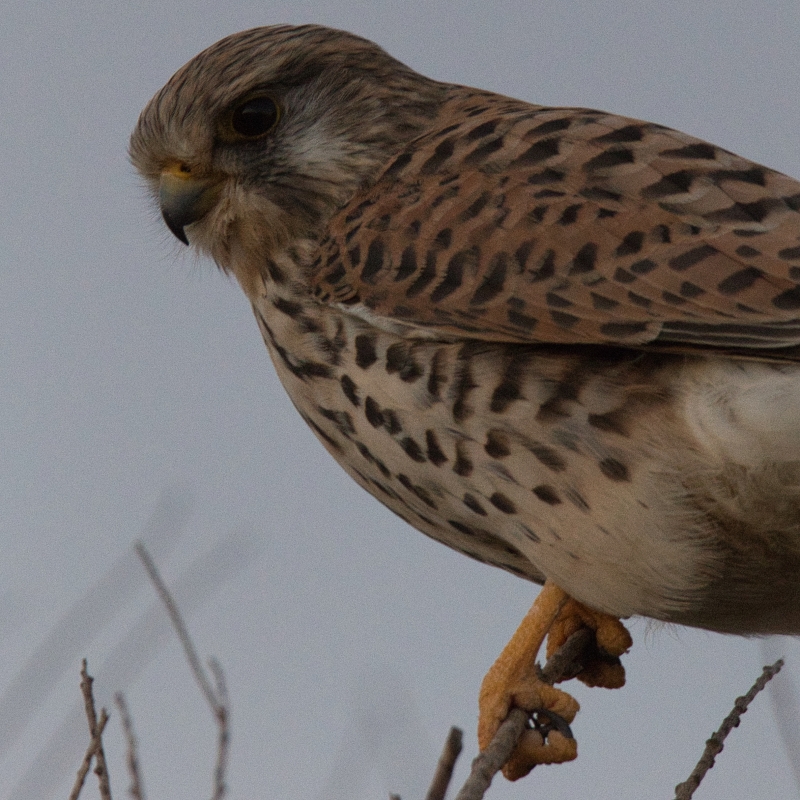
column 522, row 223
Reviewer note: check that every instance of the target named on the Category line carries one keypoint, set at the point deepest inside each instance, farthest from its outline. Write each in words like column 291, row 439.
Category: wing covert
column 522, row 223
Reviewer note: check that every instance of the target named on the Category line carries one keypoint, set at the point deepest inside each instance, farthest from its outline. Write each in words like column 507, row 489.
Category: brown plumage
column 574, row 227
column 560, row 341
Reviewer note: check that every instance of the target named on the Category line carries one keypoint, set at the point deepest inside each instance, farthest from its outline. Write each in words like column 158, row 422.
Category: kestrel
column 560, row 341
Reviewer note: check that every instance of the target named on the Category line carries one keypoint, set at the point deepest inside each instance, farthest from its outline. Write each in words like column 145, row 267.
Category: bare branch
column 714, row 745
column 83, row 770
column 221, row 713
column 95, row 749
column 570, row 658
column 446, row 764
column 136, row 789
column 491, row 760
column 180, row 626
column 216, row 696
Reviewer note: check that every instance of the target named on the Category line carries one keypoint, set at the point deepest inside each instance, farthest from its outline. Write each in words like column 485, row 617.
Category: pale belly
column 606, row 471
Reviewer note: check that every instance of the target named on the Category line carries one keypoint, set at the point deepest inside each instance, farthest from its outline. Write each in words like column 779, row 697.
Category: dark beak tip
column 176, row 228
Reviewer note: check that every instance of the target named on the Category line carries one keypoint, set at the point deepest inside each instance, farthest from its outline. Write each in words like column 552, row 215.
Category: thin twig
column 136, row 789
column 446, row 764
column 216, row 696
column 570, row 658
column 83, row 770
column 714, row 745
column 96, row 728
column 95, row 748
column 491, row 760
column 565, row 663
column 221, row 712
column 177, row 622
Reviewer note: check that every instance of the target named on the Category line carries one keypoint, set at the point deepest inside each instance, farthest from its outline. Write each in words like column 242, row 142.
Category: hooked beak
column 185, row 199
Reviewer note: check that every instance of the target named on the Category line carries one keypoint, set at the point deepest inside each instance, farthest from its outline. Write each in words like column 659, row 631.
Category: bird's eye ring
column 255, row 117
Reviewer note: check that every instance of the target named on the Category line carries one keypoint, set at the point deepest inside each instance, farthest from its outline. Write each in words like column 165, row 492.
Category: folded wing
column 520, row 223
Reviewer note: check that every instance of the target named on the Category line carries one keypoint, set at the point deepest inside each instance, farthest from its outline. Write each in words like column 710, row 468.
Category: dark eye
column 255, row 117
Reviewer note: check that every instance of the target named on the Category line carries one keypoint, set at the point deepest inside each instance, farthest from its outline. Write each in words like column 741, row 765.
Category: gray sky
column 138, row 400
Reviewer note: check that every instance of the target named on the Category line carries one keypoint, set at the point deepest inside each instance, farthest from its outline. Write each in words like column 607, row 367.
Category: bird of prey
column 563, row 342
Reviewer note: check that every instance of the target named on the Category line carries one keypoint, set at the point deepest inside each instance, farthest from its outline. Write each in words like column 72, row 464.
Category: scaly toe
column 611, row 636
column 534, row 748
column 548, row 745
column 535, row 695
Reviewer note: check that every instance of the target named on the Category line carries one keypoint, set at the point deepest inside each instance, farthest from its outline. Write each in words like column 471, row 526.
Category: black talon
column 547, row 721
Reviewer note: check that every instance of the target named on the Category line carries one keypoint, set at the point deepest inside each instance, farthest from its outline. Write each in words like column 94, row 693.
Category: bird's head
column 254, row 143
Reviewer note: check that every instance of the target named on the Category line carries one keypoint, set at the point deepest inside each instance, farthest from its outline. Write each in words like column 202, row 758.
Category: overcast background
column 137, row 400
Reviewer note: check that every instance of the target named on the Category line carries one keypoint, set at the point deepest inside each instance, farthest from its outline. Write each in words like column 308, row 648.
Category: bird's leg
column 513, row 679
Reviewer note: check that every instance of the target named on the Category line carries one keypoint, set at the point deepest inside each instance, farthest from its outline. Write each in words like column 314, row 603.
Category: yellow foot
column 513, row 679
column 611, row 637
